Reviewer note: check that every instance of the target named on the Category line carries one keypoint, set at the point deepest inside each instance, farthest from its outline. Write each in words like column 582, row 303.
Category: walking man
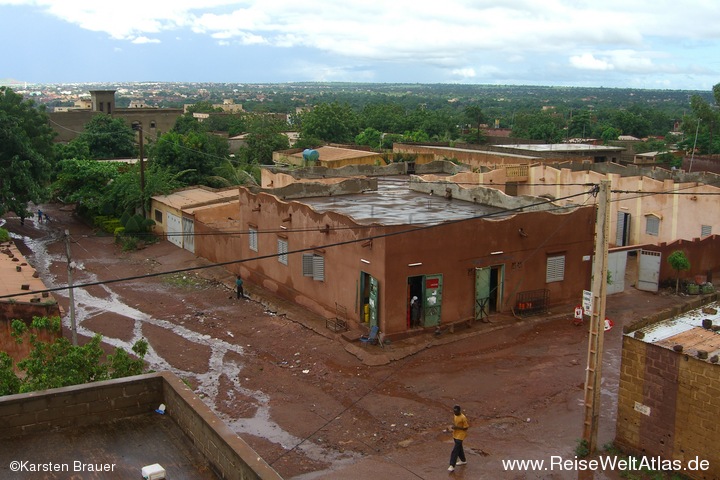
column 459, row 429
column 239, row 287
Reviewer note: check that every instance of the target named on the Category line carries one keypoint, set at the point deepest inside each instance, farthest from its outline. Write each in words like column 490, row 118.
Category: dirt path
column 307, row 406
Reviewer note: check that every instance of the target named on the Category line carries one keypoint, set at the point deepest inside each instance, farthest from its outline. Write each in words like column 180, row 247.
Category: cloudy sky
column 610, row 43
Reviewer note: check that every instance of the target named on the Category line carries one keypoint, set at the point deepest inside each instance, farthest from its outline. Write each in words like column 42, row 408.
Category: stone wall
column 101, row 402
column 668, row 406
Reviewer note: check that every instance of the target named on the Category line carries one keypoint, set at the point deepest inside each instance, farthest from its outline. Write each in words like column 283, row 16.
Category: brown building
column 154, row 121
column 668, row 397
column 372, row 252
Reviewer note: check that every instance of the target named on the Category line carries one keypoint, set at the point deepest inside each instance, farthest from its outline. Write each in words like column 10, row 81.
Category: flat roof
column 484, row 152
column 686, row 330
column 393, row 203
column 335, row 153
column 194, row 196
column 561, row 147
column 12, row 280
column 126, row 445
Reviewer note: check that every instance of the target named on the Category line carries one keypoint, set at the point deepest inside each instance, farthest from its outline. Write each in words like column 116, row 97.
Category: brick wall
column 668, row 406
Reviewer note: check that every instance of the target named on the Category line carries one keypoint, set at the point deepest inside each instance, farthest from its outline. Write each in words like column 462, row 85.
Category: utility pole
column 70, row 268
column 138, row 127
column 597, row 319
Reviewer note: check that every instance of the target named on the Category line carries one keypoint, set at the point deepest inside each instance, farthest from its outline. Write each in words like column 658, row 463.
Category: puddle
column 88, row 305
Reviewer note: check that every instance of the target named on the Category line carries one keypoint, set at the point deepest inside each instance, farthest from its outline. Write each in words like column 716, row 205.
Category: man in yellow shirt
column 459, row 429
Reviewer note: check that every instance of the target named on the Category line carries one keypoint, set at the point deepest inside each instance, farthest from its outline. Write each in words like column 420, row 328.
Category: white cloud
column 587, row 61
column 615, row 36
column 143, row 39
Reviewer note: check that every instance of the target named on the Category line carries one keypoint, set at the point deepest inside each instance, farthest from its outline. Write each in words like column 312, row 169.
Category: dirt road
column 308, row 405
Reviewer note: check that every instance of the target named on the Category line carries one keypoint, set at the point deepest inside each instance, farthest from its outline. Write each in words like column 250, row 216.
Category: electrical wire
column 307, row 249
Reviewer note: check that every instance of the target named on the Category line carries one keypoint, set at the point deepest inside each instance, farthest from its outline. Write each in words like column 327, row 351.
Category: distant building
column 70, row 123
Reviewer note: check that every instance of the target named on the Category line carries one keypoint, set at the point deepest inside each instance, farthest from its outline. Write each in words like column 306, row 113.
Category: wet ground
column 316, row 406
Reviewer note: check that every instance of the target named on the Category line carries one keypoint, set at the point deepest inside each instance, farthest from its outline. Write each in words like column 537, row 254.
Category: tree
column 264, row 137
column 195, row 153
column 370, row 137
column 61, row 364
column 86, row 183
column 678, row 261
column 475, row 114
column 108, row 137
column 330, row 122
column 25, row 153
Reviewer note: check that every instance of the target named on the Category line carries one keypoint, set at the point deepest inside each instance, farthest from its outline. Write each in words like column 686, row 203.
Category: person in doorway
column 459, row 428
column 414, row 312
column 239, row 287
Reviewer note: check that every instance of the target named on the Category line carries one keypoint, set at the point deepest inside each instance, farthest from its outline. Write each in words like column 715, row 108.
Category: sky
column 655, row 44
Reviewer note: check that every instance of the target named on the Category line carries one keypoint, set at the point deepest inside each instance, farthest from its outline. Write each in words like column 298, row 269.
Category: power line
column 307, row 249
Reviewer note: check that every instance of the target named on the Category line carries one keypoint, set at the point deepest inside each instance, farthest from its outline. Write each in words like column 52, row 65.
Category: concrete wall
column 703, row 254
column 155, row 121
column 678, row 394
column 100, row 402
column 681, row 216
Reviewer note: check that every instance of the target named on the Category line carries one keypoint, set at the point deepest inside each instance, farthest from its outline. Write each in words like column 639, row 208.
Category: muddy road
column 308, row 406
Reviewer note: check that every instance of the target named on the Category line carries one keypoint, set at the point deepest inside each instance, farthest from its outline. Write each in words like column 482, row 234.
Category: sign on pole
column 587, row 302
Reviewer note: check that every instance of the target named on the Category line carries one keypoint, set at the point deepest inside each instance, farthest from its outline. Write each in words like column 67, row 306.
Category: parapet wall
column 101, row 402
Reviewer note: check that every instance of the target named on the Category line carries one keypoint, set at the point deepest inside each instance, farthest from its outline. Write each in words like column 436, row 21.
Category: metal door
column 622, row 234
column 188, row 234
column 432, row 299
column 617, row 262
column 482, row 293
column 174, row 229
column 373, row 304
column 649, row 271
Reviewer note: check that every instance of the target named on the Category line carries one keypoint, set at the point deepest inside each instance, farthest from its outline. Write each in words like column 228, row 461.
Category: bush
column 111, row 225
column 119, row 232
column 134, row 225
column 4, row 235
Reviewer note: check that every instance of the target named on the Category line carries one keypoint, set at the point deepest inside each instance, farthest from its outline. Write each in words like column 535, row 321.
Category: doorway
column 369, row 296
column 488, row 290
column 413, row 301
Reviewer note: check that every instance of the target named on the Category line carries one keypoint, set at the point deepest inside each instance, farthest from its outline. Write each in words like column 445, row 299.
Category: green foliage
column 264, row 137
column 124, row 365
column 124, row 218
column 125, row 194
column 128, row 243
column 582, row 449
column 369, row 137
column 679, row 262
column 26, row 153
column 238, row 173
column 108, row 137
column 475, row 115
column 4, row 235
column 76, row 149
column 135, row 225
column 195, row 154
column 539, row 126
column 9, row 382
column 85, row 182
column 330, row 122
column 60, row 364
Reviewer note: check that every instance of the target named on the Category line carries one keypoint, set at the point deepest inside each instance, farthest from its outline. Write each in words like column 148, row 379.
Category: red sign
column 432, row 283
column 578, row 312
column 608, row 324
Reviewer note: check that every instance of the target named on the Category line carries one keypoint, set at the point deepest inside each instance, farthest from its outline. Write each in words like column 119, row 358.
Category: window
column 158, row 216
column 705, row 230
column 555, row 269
column 652, row 225
column 313, row 266
column 152, row 125
column 282, row 250
column 252, row 238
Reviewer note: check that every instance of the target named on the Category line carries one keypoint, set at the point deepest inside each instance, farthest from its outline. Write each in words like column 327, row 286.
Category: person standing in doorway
column 414, row 312
column 459, row 428
column 239, row 287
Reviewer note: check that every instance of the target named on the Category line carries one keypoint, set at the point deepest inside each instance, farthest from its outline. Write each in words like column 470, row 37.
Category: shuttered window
column 705, row 230
column 313, row 266
column 555, row 269
column 652, row 225
column 253, row 239
column 282, row 250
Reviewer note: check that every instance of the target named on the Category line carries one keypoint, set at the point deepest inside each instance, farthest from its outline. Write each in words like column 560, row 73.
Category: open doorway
column 488, row 290
column 369, row 293
column 413, row 302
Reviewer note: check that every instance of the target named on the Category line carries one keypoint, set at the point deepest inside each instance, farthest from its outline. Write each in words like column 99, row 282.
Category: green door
column 432, row 300
column 482, row 293
column 373, row 301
